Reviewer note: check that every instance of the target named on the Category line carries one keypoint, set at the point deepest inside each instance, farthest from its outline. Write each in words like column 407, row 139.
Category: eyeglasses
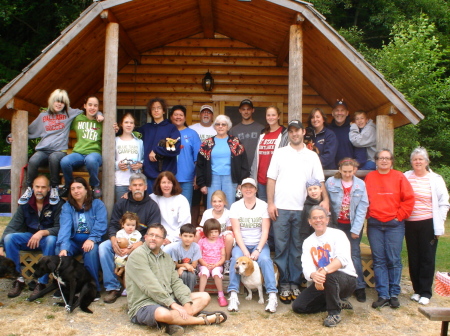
column 221, row 124
column 206, row 111
column 318, row 218
column 152, row 235
column 157, row 108
column 384, row 159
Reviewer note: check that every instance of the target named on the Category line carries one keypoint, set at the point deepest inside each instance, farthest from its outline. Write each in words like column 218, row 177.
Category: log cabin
column 274, row 52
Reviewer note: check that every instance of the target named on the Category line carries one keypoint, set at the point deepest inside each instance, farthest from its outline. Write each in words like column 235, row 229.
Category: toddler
column 213, row 257
column 127, row 236
column 363, row 133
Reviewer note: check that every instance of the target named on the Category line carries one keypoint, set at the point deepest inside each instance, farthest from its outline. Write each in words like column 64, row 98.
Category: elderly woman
column 324, row 139
column 425, row 224
column 222, row 162
column 83, row 223
column 391, row 201
column 250, row 222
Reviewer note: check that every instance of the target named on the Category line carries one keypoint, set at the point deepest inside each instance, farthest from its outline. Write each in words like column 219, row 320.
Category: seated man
column 327, row 261
column 34, row 227
column 156, row 294
column 139, row 202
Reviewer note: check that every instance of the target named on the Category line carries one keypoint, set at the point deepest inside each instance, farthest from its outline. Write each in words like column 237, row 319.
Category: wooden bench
column 437, row 314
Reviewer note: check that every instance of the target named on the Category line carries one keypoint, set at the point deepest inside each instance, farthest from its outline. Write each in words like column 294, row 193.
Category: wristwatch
column 257, row 249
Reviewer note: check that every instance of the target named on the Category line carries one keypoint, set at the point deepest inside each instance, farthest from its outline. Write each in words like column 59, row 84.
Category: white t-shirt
column 250, row 220
column 224, row 220
column 130, row 150
column 204, row 132
column 175, row 212
column 319, row 251
column 132, row 238
column 291, row 169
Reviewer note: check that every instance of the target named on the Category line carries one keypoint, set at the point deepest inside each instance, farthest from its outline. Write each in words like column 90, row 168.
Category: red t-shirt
column 344, row 214
column 265, row 151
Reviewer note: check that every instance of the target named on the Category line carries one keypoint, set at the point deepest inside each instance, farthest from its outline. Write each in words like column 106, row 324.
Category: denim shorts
column 146, row 316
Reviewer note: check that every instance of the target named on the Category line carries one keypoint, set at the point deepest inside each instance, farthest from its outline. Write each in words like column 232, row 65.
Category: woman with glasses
column 157, row 157
column 391, row 201
column 222, row 162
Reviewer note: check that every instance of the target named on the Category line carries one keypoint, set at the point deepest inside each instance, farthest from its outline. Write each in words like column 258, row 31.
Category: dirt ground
column 19, row 317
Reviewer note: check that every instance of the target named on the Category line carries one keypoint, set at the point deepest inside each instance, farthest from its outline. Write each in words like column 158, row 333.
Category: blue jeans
column 386, row 240
column 187, row 189
column 90, row 259
column 224, row 183
column 119, row 191
column 92, row 161
column 369, row 165
column 264, row 262
column 262, row 192
column 106, row 254
column 42, row 158
column 288, row 248
column 356, row 253
column 15, row 242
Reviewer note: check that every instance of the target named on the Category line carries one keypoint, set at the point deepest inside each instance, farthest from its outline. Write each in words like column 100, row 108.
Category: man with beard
column 289, row 169
column 34, row 227
column 140, row 203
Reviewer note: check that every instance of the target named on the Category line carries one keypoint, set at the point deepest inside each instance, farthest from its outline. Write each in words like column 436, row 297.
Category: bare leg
column 218, row 282
column 229, row 240
column 202, row 283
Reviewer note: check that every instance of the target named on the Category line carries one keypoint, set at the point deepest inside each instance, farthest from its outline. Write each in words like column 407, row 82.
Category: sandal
column 218, row 314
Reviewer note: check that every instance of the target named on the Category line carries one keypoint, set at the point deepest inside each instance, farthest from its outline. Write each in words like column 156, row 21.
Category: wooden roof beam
column 124, row 40
column 386, row 109
column 206, row 17
column 22, row 105
column 284, row 50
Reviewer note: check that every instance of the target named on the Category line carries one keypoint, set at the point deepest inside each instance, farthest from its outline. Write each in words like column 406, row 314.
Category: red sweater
column 390, row 196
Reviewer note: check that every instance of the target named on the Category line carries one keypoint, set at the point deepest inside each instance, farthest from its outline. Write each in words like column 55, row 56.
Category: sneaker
column 295, row 292
column 360, row 295
column 64, row 191
column 226, row 267
column 285, row 296
column 97, row 297
column 124, row 293
column 112, row 296
column 233, row 304
column 18, row 286
column 332, row 321
column 394, row 303
column 424, row 300
column 173, row 329
column 57, row 294
column 26, row 196
column 415, row 297
column 39, row 287
column 345, row 304
column 54, row 196
column 272, row 304
column 222, row 301
column 380, row 303
column 96, row 192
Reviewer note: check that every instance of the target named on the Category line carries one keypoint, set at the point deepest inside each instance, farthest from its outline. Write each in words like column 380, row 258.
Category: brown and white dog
column 252, row 277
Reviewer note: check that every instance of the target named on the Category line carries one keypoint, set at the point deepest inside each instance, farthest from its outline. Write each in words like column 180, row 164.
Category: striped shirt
column 423, row 208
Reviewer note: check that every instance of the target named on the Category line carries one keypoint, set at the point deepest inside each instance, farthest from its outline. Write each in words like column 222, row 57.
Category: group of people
column 286, row 205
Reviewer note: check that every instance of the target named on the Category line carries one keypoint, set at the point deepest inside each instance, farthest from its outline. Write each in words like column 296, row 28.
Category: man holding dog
column 289, row 169
column 34, row 227
column 140, row 203
column 327, row 261
column 157, row 297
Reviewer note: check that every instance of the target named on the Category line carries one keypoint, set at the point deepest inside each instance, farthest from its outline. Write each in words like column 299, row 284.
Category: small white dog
column 251, row 276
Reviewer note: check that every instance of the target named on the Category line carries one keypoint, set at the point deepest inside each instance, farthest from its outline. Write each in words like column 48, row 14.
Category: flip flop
column 218, row 314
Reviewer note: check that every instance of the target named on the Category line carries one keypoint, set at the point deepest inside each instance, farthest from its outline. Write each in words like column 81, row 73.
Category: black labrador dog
column 73, row 277
column 8, row 269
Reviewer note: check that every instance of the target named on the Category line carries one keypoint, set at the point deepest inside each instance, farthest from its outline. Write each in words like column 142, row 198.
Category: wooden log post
column 110, row 111
column 385, row 132
column 295, row 70
column 19, row 153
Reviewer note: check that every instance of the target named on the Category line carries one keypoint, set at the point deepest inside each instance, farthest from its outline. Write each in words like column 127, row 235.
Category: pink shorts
column 215, row 271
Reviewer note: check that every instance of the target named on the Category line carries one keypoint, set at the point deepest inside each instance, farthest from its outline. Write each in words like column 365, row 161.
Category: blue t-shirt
column 181, row 256
column 190, row 142
column 221, row 157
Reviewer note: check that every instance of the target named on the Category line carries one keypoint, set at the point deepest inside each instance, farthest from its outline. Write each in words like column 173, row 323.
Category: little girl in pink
column 213, row 257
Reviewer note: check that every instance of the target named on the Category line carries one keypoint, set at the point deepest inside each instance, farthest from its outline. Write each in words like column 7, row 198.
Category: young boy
column 314, row 197
column 186, row 254
column 363, row 133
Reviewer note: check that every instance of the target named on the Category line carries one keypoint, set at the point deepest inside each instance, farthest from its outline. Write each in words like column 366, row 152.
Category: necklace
column 251, row 207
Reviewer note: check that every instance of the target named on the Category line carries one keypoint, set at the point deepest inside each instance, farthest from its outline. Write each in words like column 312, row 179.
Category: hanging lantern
column 208, row 82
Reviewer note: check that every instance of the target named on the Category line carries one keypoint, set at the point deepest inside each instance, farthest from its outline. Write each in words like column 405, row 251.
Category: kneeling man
column 157, row 297
column 327, row 261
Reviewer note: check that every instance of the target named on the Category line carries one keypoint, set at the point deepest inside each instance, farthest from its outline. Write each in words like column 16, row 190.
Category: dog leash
column 67, row 307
